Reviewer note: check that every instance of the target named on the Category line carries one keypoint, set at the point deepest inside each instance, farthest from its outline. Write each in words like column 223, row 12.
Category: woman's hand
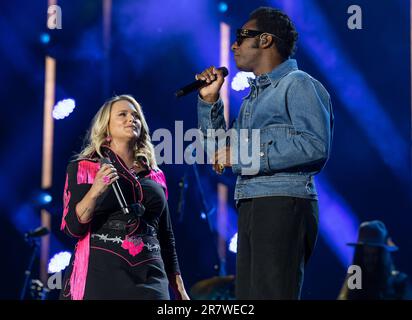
column 176, row 282
column 183, row 294
column 106, row 175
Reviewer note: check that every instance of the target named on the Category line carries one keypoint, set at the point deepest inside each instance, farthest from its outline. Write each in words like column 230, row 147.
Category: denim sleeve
column 236, row 166
column 210, row 116
column 309, row 140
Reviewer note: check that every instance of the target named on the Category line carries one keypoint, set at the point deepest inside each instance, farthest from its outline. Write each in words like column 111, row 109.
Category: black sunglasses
column 242, row 34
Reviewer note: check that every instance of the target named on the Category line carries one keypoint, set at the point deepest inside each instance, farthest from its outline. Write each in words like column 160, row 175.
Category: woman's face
column 124, row 123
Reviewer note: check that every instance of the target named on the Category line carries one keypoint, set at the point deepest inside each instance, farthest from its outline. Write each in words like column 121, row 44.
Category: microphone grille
column 224, row 71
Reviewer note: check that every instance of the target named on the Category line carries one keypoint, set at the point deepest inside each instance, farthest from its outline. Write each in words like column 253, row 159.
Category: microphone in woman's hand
column 116, row 188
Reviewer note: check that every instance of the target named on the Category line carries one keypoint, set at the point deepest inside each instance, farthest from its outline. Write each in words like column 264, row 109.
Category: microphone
column 116, row 188
column 197, row 84
column 36, row 233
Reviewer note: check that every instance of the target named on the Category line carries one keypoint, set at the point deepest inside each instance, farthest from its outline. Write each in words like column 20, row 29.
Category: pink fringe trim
column 159, row 177
column 87, row 171
column 66, row 199
column 81, row 264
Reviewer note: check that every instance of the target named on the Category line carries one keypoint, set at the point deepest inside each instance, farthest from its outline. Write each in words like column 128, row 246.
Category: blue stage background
column 157, row 46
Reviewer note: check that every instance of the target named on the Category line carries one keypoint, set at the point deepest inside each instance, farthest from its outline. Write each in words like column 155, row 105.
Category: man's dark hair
column 274, row 21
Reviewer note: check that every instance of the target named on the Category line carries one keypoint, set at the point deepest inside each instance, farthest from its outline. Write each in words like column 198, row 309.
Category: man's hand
column 214, row 79
column 221, row 160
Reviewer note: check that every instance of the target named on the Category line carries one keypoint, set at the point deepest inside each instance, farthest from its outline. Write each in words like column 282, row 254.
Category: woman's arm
column 82, row 190
column 168, row 249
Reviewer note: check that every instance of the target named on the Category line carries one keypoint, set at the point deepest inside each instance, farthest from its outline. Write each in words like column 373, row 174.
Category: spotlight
column 59, row 262
column 233, row 244
column 240, row 82
column 46, row 198
column 42, row 198
column 222, row 6
column 44, row 38
column 63, row 108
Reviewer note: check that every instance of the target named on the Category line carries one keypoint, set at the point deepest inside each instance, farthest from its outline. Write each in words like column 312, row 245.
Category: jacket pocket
column 276, row 136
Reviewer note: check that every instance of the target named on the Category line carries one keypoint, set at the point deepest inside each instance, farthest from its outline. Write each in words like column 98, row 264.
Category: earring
column 108, row 139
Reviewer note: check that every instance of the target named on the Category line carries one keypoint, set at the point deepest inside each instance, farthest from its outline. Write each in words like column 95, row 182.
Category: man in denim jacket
column 277, row 199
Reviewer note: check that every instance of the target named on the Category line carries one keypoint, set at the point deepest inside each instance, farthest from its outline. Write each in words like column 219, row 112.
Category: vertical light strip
column 224, row 62
column 107, row 22
column 48, row 124
column 222, row 226
column 47, row 166
column 47, row 157
column 107, row 25
column 222, row 190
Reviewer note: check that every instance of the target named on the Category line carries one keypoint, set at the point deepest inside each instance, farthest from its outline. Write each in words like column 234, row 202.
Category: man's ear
column 266, row 41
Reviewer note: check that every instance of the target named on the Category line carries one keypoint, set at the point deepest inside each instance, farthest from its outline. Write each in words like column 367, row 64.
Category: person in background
column 379, row 278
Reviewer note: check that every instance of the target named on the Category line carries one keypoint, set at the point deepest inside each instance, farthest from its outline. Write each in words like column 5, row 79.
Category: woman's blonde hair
column 99, row 131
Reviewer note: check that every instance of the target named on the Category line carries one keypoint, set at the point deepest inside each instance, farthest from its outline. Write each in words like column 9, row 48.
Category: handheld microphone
column 195, row 85
column 116, row 188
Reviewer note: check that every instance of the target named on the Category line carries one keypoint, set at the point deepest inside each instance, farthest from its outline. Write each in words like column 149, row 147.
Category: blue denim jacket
column 294, row 114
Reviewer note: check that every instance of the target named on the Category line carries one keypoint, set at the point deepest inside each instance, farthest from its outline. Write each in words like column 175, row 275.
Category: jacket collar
column 275, row 75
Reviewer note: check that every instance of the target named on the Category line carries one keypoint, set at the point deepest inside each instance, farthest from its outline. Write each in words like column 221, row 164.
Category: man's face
column 247, row 54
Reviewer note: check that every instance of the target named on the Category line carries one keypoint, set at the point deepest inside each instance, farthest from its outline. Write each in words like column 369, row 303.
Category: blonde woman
column 120, row 254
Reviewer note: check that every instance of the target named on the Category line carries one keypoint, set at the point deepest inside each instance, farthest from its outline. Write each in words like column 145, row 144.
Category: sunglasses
column 242, row 34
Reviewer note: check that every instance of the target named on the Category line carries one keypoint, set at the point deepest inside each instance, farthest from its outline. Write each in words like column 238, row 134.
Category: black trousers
column 276, row 236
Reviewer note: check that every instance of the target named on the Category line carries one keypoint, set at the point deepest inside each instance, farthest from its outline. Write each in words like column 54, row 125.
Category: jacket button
column 262, row 154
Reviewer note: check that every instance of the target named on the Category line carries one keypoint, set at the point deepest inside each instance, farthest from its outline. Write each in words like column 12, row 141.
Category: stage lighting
column 240, row 82
column 59, row 262
column 44, row 38
column 47, row 198
column 63, row 108
column 223, row 7
column 42, row 198
column 233, row 244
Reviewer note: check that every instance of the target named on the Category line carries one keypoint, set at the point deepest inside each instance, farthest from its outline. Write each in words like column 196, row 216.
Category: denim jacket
column 294, row 115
